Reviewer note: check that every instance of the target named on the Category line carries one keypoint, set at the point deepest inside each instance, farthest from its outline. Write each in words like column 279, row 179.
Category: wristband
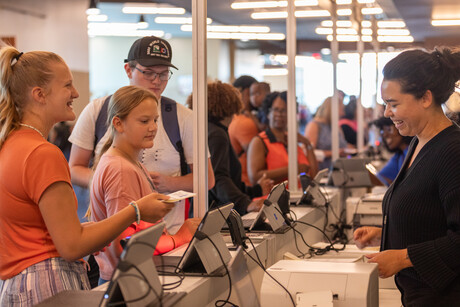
column 174, row 242
column 136, row 208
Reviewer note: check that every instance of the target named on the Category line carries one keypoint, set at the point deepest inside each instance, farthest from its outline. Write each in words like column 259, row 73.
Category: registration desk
column 204, row 291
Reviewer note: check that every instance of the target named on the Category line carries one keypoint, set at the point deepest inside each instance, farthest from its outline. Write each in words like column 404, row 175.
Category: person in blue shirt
column 394, row 143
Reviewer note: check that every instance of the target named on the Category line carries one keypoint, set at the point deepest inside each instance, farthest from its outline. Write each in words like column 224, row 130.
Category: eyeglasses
column 151, row 75
column 279, row 111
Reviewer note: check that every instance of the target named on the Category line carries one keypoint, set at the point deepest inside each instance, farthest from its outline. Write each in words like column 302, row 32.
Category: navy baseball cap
column 151, row 51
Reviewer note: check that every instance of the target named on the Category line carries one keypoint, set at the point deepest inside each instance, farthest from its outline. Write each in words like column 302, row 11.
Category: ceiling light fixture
column 231, row 29
column 270, row 4
column 124, row 32
column 341, row 2
column 445, row 22
column 142, row 24
column 145, row 8
column 391, row 24
column 92, row 9
column 97, row 18
column 177, row 20
column 371, row 10
column 393, row 32
column 395, row 39
column 300, row 14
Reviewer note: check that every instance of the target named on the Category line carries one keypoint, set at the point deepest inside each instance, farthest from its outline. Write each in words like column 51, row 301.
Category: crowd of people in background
column 127, row 150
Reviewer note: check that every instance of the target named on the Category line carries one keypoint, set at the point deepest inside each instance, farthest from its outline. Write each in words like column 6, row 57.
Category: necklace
column 32, row 127
column 138, row 164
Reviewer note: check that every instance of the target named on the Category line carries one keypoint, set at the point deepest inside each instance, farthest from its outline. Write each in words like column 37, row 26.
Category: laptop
column 350, row 173
column 242, row 281
column 200, row 257
column 135, row 281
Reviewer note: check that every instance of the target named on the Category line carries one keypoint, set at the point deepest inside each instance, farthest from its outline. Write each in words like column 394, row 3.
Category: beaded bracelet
column 138, row 213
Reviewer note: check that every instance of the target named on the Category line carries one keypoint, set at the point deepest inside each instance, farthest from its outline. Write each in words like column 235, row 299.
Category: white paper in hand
column 178, row 196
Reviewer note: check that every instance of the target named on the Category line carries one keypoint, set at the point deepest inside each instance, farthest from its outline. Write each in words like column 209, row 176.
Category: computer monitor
column 201, row 256
column 350, row 173
column 135, row 281
column 242, row 281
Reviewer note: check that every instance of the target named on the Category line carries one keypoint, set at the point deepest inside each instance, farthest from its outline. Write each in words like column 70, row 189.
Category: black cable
column 175, row 284
column 263, row 268
column 302, row 254
column 221, row 303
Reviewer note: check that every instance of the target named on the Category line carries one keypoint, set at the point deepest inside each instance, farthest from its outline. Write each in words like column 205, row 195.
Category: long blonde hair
column 122, row 102
column 19, row 73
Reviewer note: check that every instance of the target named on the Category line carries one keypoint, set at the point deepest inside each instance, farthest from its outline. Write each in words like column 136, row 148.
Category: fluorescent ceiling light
column 340, row 23
column 340, row 2
column 246, row 36
column 177, row 20
column 97, row 17
column 391, row 24
column 125, row 32
column 342, row 31
column 113, row 25
column 395, row 39
column 274, row 71
column 366, row 38
column 231, row 29
column 300, row 14
column 268, row 15
column 344, row 12
column 391, row 32
column 93, row 11
column 270, row 4
column 371, row 10
column 146, row 8
column 445, row 22
column 350, row 38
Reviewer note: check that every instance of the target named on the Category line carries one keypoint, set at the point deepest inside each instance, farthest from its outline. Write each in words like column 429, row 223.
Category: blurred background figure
column 245, row 124
column 267, row 153
column 348, row 122
column 258, row 91
column 318, row 132
column 395, row 143
column 59, row 136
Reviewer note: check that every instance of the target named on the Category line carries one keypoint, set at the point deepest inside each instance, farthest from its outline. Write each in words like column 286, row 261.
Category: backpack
column 170, row 123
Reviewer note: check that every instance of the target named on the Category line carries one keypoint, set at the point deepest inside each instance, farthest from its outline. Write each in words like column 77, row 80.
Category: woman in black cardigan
column 224, row 101
column 420, row 238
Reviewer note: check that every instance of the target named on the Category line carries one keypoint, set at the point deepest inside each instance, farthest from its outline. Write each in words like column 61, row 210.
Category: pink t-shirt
column 116, row 182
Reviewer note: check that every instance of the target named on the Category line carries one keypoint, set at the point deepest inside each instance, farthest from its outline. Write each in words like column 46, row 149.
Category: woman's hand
column 367, row 236
column 255, row 206
column 152, row 208
column 186, row 231
column 266, row 184
column 390, row 261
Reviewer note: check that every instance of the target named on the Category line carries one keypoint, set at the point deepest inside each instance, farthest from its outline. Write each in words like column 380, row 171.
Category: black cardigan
column 421, row 212
column 227, row 171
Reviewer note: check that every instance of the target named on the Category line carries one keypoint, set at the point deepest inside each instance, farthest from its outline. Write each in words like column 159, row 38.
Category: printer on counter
column 312, row 283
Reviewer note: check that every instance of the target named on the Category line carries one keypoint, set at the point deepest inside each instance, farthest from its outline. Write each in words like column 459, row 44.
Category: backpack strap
column 171, row 125
column 101, row 121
